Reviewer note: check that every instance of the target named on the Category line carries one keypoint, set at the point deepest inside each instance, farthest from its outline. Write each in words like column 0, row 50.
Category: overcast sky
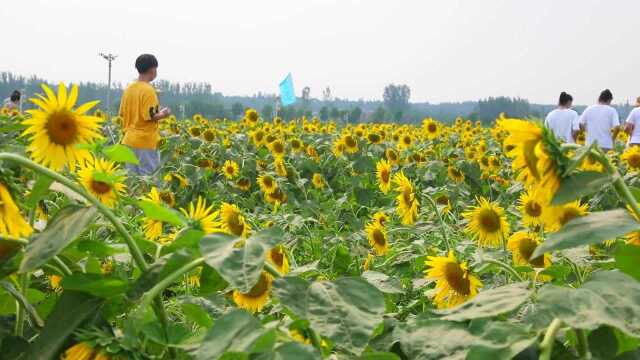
column 446, row 50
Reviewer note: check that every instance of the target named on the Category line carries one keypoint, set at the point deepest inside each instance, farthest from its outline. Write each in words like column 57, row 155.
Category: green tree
column 355, row 114
column 267, row 112
column 324, row 113
column 380, row 115
column 396, row 99
column 237, row 109
column 334, row 113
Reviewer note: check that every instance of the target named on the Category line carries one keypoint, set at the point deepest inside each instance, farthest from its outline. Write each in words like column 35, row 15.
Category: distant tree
column 380, row 115
column 396, row 99
column 324, row 113
column 267, row 112
column 237, row 109
column 489, row 109
column 334, row 113
column 355, row 114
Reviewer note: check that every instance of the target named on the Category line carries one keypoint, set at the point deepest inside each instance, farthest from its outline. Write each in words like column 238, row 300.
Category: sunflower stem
column 583, row 344
column 618, row 183
column 315, row 340
column 155, row 291
column 506, row 267
column 272, row 270
column 65, row 269
column 546, row 346
column 443, row 231
column 20, row 311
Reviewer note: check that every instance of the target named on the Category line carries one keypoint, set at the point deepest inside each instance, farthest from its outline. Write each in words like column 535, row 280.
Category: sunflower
column 367, row 261
column 430, row 128
column 338, row 148
column 182, row 181
column 168, row 198
column 103, row 179
column 317, row 181
column 80, row 351
column 267, row 184
column 280, row 167
column 277, row 148
column 296, row 145
column 405, row 142
column 374, row 137
column 276, row 198
column 392, row 156
column 455, row 174
column 380, row 218
column 383, row 174
column 312, row 153
column 152, row 228
column 56, row 128
column 443, row 200
column 209, row 135
column 631, row 157
column 202, row 216
column 350, row 144
column 407, row 203
column 454, row 282
column 377, row 236
column 230, row 169
column 194, row 131
column 252, row 116
column 258, row 137
column 11, row 221
column 522, row 245
column 278, row 258
column 531, row 204
column 54, row 282
column 243, row 184
column 555, row 217
column 487, row 223
column 257, row 297
column 232, row 221
column 193, row 279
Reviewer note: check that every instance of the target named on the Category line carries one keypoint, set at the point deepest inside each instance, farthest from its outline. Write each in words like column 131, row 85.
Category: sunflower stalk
column 546, row 346
column 65, row 269
column 583, row 344
column 506, row 267
column 443, row 231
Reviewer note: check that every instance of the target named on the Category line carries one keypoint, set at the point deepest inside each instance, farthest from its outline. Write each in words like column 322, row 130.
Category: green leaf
column 157, row 271
column 364, row 165
column 628, row 259
column 590, row 229
column 292, row 351
column 63, row 229
column 490, row 303
column 346, row 310
column 39, row 190
column 187, row 238
column 237, row 331
column 609, row 298
column 580, row 185
column 379, row 356
column 95, row 284
column 97, row 248
column 24, row 302
column 577, row 159
column 120, row 153
column 239, row 265
column 160, row 213
column 291, row 291
column 196, row 314
column 603, row 343
column 428, row 339
column 72, row 310
column 383, row 282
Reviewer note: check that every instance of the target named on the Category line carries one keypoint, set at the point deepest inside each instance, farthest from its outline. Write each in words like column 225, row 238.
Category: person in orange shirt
column 140, row 111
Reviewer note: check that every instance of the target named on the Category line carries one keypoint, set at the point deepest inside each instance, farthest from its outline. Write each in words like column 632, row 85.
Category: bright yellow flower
column 522, row 245
column 383, row 174
column 230, row 169
column 407, row 203
column 531, row 205
column 232, row 221
column 631, row 157
column 152, row 228
column 317, row 181
column 267, row 184
column 555, row 217
column 377, row 236
column 454, row 282
column 202, row 215
column 278, row 258
column 103, row 180
column 380, row 218
column 11, row 221
column 487, row 223
column 80, row 351
column 280, row 167
column 257, row 297
column 455, row 174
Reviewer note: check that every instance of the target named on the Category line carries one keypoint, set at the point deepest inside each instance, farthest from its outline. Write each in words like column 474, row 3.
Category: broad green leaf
column 240, row 265
column 609, row 298
column 379, row 356
column 72, row 310
column 590, row 229
column 24, row 302
column 13, row 347
column 364, row 164
column 237, row 331
column 603, row 343
column 579, row 185
column 346, row 310
column 291, row 291
column 291, row 351
column 158, row 271
column 120, row 153
column 628, row 260
column 95, row 284
column 176, row 333
column 39, row 190
column 490, row 303
column 63, row 229
column 383, row 282
column 196, row 314
column 97, row 248
column 187, row 238
column 577, row 159
column 160, row 213
column 427, row 339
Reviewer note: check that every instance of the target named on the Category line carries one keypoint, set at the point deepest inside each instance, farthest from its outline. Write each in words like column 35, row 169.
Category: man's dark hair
column 605, row 96
column 565, row 99
column 145, row 62
column 15, row 96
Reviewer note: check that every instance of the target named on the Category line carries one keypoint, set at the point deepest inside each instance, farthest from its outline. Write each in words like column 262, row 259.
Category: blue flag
column 287, row 94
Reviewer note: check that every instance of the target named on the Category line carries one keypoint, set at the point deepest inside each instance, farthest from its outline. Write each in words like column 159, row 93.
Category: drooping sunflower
column 555, row 217
column 455, row 284
column 487, row 223
column 522, row 244
column 380, row 218
column 317, row 181
column 407, row 203
column 377, row 236
column 455, row 174
column 202, row 215
column 267, row 183
column 350, row 144
column 55, row 128
column 257, row 297
column 232, row 221
column 103, row 179
column 531, row 205
column 11, row 221
column 280, row 167
column 374, row 137
column 631, row 157
column 278, row 258
column 392, row 156
column 383, row 174
column 152, row 228
column 276, row 198
column 230, row 169
column 243, row 184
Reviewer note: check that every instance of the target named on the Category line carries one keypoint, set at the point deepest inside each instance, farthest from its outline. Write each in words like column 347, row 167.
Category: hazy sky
column 446, row 50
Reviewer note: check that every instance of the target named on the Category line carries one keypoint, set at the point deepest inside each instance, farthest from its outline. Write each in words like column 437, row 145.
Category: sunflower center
column 261, row 287
column 568, row 215
column 392, row 156
column 62, row 127
column 442, row 200
column 526, row 248
column 100, row 187
column 407, row 195
column 378, row 237
column 385, row 175
column 267, row 181
column 456, row 278
column 235, row 224
column 432, row 128
column 634, row 161
column 489, row 220
column 406, row 140
column 277, row 257
column 229, row 169
column 533, row 209
column 278, row 148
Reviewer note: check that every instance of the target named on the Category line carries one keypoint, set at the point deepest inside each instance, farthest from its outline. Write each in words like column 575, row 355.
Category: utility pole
column 110, row 58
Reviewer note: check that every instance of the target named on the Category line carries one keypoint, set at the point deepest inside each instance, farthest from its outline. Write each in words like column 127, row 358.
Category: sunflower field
column 270, row 239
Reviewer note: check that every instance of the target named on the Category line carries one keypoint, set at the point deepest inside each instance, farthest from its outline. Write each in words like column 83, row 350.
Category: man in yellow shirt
column 140, row 111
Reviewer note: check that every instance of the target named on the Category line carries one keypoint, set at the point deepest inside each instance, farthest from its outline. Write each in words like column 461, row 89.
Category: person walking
column 632, row 125
column 601, row 122
column 12, row 102
column 140, row 111
column 563, row 121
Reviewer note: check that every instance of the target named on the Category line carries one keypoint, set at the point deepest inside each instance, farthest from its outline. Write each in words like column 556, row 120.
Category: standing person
column 12, row 102
column 632, row 125
column 601, row 122
column 563, row 121
column 140, row 111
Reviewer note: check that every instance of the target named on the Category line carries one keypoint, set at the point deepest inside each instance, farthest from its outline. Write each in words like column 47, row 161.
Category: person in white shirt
column 12, row 102
column 632, row 125
column 601, row 122
column 563, row 121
